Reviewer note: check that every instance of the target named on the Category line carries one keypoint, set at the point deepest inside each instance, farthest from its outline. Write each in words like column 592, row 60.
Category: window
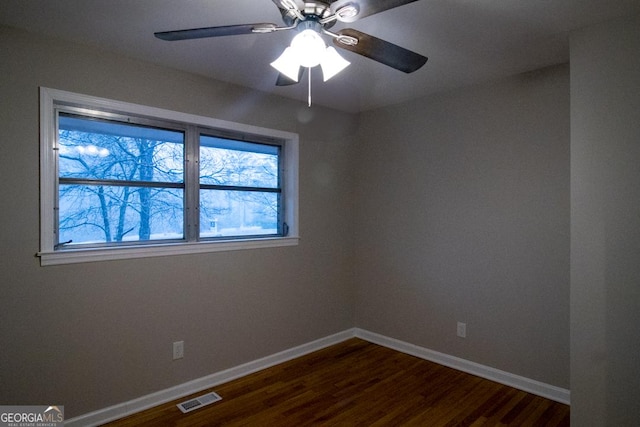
column 117, row 182
column 121, row 180
column 239, row 188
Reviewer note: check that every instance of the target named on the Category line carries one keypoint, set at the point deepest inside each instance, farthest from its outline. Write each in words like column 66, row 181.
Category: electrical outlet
column 462, row 330
column 178, row 350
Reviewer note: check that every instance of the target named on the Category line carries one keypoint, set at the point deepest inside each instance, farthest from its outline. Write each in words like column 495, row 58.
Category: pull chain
column 309, row 97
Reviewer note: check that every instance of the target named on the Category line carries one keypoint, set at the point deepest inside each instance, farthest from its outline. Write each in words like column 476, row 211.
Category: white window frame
column 48, row 178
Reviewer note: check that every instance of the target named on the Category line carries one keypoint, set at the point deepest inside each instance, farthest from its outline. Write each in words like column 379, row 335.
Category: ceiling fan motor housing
column 311, row 23
column 312, row 11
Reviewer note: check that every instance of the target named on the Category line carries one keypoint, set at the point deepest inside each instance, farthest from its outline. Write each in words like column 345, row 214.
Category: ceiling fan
column 311, row 19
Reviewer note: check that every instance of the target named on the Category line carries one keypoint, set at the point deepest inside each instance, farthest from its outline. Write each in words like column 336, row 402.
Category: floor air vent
column 198, row 402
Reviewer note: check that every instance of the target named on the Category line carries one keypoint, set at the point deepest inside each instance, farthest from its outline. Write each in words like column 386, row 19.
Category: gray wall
column 457, row 207
column 605, row 225
column 463, row 215
column 96, row 334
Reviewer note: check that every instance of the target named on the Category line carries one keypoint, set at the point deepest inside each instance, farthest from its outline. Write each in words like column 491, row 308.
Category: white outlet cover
column 462, row 330
column 178, row 350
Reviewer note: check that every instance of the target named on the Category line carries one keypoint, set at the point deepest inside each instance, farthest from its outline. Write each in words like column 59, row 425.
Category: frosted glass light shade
column 332, row 63
column 288, row 64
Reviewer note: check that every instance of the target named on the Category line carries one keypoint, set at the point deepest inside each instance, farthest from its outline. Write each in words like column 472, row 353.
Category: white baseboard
column 521, row 383
column 145, row 402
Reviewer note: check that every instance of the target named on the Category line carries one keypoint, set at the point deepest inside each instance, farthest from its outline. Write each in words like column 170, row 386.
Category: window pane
column 238, row 213
column 103, row 150
column 237, row 163
column 106, row 214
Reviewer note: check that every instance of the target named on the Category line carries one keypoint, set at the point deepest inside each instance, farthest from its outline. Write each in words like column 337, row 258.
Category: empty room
column 356, row 212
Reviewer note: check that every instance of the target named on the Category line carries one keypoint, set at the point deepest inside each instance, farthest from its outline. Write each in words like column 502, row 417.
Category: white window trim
column 47, row 254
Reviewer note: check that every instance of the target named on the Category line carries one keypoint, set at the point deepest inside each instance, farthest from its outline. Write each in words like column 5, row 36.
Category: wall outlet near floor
column 178, row 350
column 462, row 330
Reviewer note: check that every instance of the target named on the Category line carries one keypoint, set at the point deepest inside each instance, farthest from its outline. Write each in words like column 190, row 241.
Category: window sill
column 74, row 256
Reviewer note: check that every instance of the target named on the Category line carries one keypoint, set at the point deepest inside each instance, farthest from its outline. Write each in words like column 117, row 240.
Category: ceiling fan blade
column 286, row 81
column 345, row 12
column 287, row 4
column 226, row 30
column 379, row 50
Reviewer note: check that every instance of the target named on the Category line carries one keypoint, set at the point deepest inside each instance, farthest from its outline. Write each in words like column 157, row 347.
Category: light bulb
column 309, row 48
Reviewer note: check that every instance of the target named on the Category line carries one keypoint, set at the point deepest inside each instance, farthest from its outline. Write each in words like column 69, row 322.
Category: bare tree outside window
column 120, row 182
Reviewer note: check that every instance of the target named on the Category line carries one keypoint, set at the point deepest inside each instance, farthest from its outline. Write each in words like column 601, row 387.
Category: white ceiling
column 467, row 41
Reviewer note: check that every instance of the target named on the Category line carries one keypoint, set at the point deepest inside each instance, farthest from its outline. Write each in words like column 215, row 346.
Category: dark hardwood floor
column 356, row 383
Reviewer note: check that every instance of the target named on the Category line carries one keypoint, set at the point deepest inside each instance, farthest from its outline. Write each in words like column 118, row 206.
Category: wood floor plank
column 356, row 383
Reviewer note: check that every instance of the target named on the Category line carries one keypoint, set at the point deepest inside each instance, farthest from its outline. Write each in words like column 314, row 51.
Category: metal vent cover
column 198, row 402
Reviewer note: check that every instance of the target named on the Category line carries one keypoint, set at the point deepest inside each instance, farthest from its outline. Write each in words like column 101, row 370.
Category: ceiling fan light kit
column 307, row 50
